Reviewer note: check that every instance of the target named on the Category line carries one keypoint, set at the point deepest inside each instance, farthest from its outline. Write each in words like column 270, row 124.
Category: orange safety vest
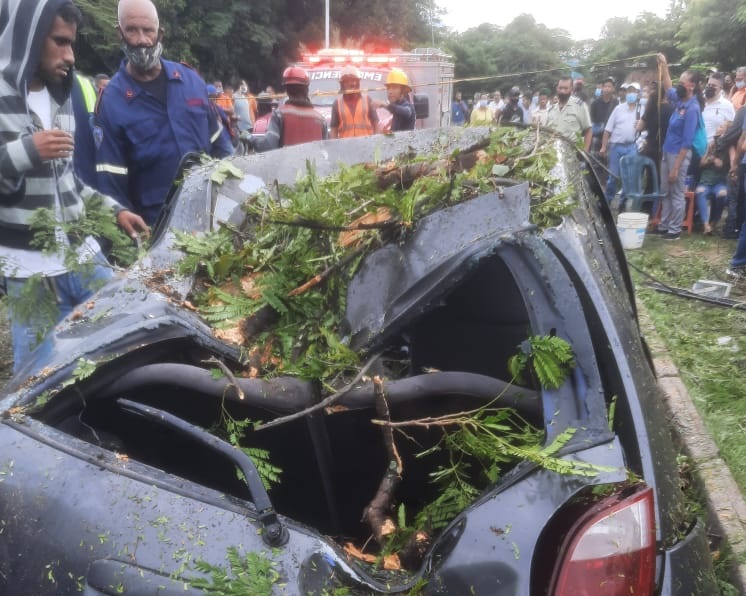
column 357, row 124
column 301, row 124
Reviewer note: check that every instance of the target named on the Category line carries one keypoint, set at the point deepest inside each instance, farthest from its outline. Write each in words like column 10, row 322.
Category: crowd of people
column 692, row 131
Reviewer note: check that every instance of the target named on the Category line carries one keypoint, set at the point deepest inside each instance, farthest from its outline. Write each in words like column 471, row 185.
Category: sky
column 581, row 19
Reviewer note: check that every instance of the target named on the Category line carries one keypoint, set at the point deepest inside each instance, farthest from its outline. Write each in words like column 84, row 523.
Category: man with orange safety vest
column 353, row 114
column 296, row 121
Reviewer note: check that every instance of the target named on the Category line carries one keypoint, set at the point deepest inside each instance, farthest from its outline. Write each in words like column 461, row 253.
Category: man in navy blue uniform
column 152, row 113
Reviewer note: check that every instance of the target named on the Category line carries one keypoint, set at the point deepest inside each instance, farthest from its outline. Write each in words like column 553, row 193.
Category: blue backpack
column 699, row 144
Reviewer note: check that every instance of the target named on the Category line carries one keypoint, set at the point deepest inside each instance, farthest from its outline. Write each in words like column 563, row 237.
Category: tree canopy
column 257, row 40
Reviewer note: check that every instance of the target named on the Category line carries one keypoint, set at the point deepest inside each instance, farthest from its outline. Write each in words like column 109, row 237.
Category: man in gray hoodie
column 36, row 172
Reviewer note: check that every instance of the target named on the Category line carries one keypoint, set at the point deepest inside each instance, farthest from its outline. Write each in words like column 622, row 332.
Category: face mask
column 740, row 84
column 631, row 97
column 680, row 91
column 243, row 89
column 535, row 100
column 143, row 59
column 597, row 93
column 482, row 103
column 709, row 92
column 563, row 97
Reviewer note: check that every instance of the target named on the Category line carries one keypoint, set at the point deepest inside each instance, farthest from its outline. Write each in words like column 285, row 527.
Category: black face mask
column 563, row 97
column 681, row 91
column 710, row 92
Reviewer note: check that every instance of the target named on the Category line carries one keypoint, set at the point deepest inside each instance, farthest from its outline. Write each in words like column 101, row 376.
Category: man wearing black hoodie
column 36, row 172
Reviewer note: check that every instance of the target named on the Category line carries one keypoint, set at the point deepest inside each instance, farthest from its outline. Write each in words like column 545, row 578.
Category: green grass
column 706, row 342
column 696, row 335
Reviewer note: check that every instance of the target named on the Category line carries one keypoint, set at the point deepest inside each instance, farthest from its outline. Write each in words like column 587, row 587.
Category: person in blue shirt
column 677, row 148
column 459, row 111
column 151, row 114
column 402, row 110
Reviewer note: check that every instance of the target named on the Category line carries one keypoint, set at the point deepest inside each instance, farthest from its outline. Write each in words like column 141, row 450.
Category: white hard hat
column 349, row 71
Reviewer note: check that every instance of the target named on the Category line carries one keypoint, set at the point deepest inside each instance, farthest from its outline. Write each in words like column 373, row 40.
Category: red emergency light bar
column 341, row 56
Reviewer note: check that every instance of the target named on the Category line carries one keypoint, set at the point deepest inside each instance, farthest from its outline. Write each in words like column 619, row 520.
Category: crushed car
column 396, row 364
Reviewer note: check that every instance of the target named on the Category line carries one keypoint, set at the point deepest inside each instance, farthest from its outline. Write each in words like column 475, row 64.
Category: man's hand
column 131, row 222
column 661, row 59
column 673, row 174
column 53, row 144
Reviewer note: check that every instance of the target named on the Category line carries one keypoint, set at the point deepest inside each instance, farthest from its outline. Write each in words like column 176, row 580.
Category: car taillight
column 610, row 551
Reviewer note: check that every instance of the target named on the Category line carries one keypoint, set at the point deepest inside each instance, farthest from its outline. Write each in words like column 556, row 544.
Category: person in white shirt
column 539, row 115
column 496, row 105
column 717, row 109
column 619, row 136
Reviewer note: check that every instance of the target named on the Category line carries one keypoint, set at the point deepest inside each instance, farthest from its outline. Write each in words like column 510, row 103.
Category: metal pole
column 326, row 28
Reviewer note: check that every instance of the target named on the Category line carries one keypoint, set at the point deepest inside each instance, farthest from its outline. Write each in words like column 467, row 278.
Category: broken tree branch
column 324, row 402
column 317, row 279
column 233, row 382
column 378, row 511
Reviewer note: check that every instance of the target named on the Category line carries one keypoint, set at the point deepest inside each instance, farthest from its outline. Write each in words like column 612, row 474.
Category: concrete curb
column 726, row 507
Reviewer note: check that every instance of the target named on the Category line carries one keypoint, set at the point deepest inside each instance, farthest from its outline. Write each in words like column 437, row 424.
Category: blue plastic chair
column 632, row 169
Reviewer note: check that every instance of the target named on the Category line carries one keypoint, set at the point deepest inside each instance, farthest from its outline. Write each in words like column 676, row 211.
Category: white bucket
column 631, row 227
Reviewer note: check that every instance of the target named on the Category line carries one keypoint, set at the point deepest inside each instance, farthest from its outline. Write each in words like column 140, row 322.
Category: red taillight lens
column 611, row 550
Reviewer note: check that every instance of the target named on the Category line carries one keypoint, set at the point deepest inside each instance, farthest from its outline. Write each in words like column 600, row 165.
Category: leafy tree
column 524, row 53
column 627, row 45
column 713, row 32
column 97, row 48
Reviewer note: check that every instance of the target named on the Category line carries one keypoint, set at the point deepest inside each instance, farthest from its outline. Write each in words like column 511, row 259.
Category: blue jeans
column 739, row 257
column 616, row 152
column 718, row 193
column 64, row 292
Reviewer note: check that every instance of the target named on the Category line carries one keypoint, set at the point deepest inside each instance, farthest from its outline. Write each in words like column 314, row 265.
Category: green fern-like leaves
column 549, row 359
column 253, row 573
column 99, row 222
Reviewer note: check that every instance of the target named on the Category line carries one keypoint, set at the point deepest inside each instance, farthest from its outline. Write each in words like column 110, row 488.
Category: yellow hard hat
column 397, row 76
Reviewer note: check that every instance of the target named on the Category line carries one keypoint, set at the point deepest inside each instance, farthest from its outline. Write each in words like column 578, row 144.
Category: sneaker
column 672, row 236
column 658, row 232
column 736, row 272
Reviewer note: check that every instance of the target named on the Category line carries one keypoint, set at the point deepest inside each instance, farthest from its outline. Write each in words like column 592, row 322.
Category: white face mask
column 740, row 84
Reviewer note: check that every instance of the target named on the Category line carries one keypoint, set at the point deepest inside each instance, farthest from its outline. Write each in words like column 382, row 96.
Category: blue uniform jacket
column 140, row 142
column 404, row 116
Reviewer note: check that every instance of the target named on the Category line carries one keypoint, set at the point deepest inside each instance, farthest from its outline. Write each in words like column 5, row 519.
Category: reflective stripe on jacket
column 355, row 124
